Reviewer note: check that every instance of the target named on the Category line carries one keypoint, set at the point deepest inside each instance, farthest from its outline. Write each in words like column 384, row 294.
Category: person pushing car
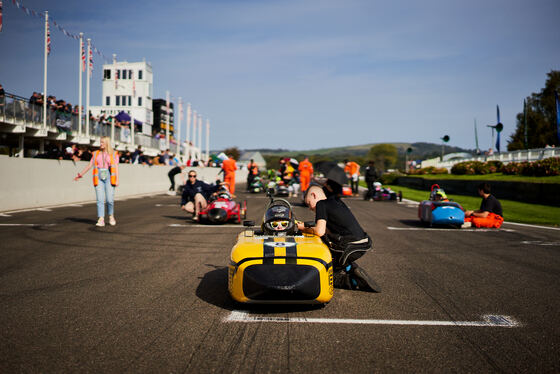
column 347, row 241
column 195, row 195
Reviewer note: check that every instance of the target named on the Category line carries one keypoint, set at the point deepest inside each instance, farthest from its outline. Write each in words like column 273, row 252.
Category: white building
column 128, row 87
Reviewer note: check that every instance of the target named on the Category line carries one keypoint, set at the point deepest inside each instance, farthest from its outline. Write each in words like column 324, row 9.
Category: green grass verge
column 514, row 211
column 493, row 177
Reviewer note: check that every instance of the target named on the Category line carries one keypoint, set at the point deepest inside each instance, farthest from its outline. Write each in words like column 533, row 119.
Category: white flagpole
column 168, row 118
column 88, row 78
column 200, row 136
column 80, row 84
column 178, row 138
column 45, row 73
column 195, row 121
column 188, row 139
column 207, row 140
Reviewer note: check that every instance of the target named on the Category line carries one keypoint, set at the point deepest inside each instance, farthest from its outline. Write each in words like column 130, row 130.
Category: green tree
column 384, row 155
column 233, row 152
column 541, row 118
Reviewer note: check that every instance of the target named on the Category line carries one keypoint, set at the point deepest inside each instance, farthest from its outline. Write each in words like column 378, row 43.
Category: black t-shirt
column 340, row 220
column 492, row 205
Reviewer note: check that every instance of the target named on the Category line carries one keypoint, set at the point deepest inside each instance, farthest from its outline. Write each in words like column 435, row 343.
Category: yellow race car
column 277, row 264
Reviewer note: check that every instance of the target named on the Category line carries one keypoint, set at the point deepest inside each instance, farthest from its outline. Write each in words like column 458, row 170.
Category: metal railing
column 505, row 157
column 18, row 111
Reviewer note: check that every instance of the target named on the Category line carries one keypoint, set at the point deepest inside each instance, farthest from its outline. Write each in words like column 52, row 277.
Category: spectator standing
column 252, row 172
column 305, row 172
column 371, row 175
column 229, row 166
column 353, row 170
column 105, row 164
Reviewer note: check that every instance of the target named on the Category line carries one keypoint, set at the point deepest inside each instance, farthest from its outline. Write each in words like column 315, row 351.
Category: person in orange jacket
column 252, row 172
column 229, row 166
column 305, row 173
column 353, row 170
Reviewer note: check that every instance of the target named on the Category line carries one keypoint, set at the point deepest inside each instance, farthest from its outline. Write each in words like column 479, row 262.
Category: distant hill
column 419, row 150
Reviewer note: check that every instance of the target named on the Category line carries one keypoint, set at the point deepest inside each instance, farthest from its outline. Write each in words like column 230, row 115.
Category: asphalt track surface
column 150, row 295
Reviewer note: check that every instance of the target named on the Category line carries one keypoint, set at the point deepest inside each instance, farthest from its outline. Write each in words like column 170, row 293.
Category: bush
column 429, row 170
column 389, row 178
column 541, row 168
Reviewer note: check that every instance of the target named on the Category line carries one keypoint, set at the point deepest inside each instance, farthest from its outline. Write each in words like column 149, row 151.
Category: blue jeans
column 104, row 191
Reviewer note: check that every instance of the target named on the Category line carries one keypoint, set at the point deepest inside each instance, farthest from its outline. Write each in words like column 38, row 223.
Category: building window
column 130, row 101
column 130, row 74
column 139, row 74
column 107, row 100
column 107, row 74
column 123, row 98
column 140, row 99
column 118, row 102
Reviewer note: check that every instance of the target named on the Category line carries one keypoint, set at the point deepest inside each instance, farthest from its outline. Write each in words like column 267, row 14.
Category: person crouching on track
column 347, row 241
column 105, row 163
column 195, row 195
column 490, row 213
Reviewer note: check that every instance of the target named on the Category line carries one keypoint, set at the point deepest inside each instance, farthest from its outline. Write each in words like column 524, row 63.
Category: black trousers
column 354, row 185
column 344, row 251
column 172, row 173
column 370, row 191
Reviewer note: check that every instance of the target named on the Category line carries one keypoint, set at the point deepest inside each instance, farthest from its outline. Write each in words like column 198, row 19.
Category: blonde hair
column 108, row 147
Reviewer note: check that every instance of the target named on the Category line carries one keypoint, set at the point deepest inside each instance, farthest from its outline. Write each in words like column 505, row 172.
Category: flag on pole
column 557, row 116
column 116, row 78
column 48, row 39
column 83, row 56
column 0, row 15
column 90, row 61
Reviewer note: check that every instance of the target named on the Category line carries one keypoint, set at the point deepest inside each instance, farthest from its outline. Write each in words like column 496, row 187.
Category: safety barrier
column 33, row 183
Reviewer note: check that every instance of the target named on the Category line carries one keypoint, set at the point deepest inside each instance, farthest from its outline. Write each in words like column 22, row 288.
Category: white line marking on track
column 539, row 242
column 27, row 224
column 446, row 229
column 177, row 205
column 44, row 209
column 4, row 215
column 487, row 321
column 207, row 226
column 535, row 226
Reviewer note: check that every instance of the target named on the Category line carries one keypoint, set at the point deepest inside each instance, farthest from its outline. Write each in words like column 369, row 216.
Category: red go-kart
column 223, row 209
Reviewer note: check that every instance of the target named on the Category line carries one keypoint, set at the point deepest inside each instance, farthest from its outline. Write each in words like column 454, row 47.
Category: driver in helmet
column 278, row 218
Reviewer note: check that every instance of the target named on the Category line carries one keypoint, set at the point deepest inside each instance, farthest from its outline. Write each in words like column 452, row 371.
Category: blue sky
column 302, row 74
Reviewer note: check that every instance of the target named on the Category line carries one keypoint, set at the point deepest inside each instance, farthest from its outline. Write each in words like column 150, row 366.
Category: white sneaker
column 466, row 225
column 100, row 222
column 112, row 221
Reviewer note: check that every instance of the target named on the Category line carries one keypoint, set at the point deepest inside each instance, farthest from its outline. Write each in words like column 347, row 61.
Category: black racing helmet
column 279, row 217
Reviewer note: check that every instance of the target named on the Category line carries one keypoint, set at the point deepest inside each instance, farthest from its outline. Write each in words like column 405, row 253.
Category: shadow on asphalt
column 181, row 218
column 412, row 223
column 213, row 289
column 88, row 221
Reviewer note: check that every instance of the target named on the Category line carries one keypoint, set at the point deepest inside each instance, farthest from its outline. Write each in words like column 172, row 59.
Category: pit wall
column 536, row 193
column 34, row 183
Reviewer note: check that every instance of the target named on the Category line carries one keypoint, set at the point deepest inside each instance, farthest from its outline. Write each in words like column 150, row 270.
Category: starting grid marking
column 207, row 226
column 487, row 321
column 26, row 224
column 447, row 229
